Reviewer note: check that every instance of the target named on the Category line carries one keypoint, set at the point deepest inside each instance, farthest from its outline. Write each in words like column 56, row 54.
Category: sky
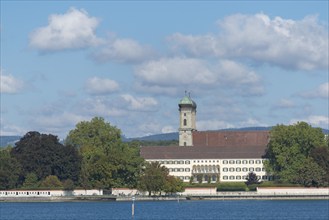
column 245, row 64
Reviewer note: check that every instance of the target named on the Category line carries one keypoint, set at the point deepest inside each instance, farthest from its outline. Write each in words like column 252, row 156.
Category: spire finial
column 185, row 93
column 189, row 94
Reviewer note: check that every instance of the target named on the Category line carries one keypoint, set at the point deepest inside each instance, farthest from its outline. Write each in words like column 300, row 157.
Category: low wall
column 126, row 192
column 189, row 191
column 50, row 193
column 292, row 190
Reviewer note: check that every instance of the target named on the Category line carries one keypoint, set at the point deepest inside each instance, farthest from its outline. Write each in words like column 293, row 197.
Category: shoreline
column 161, row 198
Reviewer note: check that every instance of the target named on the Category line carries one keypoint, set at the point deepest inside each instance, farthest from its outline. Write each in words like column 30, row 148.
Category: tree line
column 94, row 156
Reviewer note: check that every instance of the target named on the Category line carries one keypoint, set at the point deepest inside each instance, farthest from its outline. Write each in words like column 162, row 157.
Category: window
column 231, row 169
column 245, row 162
column 238, row 169
column 238, row 162
column 225, row 169
column 225, row 162
column 187, row 162
column 185, row 144
column 184, row 114
column 251, row 169
column 258, row 169
column 232, row 177
column 232, row 162
column 251, row 162
column 187, row 177
column 238, row 177
column 185, row 122
column 258, row 161
column 264, row 177
column 225, row 177
column 245, row 169
column 187, row 169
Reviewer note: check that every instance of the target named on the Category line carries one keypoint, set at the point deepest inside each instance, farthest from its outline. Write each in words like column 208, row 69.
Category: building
column 210, row 156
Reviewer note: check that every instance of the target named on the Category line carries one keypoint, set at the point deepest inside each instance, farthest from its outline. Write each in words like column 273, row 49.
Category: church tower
column 187, row 115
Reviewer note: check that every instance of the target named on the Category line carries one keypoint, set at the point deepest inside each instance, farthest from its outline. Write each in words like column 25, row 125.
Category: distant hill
column 8, row 140
column 174, row 135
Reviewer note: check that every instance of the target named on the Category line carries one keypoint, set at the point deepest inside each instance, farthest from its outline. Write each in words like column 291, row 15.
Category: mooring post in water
column 133, row 207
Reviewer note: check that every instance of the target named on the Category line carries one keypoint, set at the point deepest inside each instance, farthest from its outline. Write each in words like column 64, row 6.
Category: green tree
column 320, row 156
column 43, row 155
column 51, row 182
column 10, row 170
column 68, row 184
column 173, row 185
column 289, row 150
column 31, row 181
column 252, row 179
column 106, row 161
column 153, row 178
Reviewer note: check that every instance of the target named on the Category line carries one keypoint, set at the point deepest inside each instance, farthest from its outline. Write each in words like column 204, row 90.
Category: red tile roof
column 214, row 145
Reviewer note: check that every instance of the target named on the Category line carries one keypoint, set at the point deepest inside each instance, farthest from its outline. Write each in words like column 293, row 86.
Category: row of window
column 213, row 161
column 243, row 161
column 175, row 162
column 243, row 177
column 179, row 170
column 244, row 169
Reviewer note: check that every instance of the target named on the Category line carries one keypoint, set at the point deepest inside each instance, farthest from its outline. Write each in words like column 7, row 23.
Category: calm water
column 245, row 209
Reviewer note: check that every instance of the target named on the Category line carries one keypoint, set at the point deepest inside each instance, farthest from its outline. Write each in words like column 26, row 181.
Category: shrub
column 232, row 186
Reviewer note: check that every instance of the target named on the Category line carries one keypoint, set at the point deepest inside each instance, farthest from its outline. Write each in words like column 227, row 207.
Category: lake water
column 219, row 210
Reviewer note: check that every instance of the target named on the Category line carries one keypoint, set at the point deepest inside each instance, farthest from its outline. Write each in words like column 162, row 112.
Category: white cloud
column 175, row 71
column 169, row 75
column 314, row 120
column 291, row 44
column 58, row 124
column 168, row 129
column 72, row 30
column 101, row 86
column 124, row 51
column 139, row 103
column 9, row 84
column 322, row 91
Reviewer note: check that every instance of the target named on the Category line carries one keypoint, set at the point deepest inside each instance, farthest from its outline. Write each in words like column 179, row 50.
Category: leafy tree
column 252, row 179
column 43, row 155
column 290, row 149
column 320, row 156
column 51, row 182
column 68, row 184
column 31, row 181
column 173, row 185
column 308, row 173
column 10, row 170
column 153, row 179
column 106, row 161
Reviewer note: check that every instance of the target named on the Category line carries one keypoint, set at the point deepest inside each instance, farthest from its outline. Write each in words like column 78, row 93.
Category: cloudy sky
column 246, row 63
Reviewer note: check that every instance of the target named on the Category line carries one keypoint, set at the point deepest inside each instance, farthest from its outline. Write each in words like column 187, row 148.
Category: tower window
column 185, row 144
column 185, row 122
column 184, row 114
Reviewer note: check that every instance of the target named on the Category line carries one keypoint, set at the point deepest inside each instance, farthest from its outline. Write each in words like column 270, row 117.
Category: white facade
column 214, row 170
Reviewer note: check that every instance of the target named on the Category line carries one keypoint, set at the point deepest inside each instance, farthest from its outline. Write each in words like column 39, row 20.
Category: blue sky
column 246, row 63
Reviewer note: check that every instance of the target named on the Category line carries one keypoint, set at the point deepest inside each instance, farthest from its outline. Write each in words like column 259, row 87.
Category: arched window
column 185, row 122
